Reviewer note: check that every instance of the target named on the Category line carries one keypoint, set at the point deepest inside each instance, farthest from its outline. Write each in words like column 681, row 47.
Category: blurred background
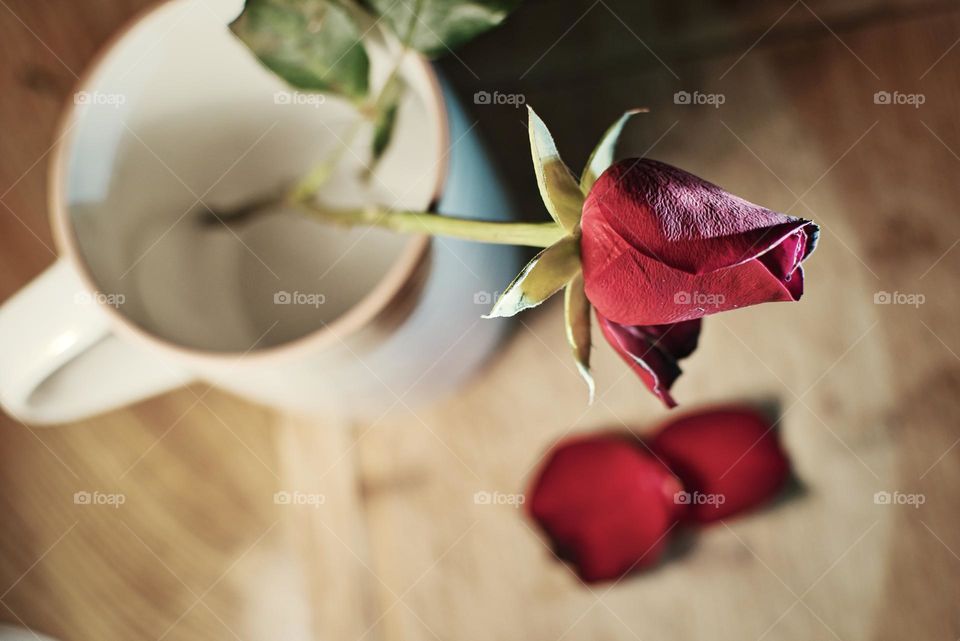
column 843, row 111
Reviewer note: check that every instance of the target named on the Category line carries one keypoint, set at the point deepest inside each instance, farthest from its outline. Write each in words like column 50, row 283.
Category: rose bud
column 660, row 246
column 606, row 504
column 652, row 351
column 729, row 460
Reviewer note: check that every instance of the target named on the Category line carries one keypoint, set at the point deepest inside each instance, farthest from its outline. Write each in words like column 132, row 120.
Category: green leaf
column 543, row 277
column 602, row 156
column 577, row 317
column 435, row 27
column 312, row 44
column 558, row 187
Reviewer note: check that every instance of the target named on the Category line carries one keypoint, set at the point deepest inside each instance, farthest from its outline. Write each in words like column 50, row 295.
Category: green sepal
column 543, row 277
column 558, row 188
column 603, row 154
column 576, row 309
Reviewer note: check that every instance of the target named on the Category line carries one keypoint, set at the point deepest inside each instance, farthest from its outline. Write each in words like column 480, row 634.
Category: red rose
column 652, row 250
column 606, row 504
column 729, row 459
column 660, row 245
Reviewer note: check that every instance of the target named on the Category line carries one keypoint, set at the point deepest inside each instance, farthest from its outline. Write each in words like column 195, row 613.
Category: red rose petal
column 678, row 340
column 661, row 246
column 731, row 452
column 632, row 289
column 783, row 261
column 653, row 351
column 606, row 504
column 684, row 221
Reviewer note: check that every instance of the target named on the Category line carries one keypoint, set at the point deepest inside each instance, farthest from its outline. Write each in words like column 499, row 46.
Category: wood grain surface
column 869, row 393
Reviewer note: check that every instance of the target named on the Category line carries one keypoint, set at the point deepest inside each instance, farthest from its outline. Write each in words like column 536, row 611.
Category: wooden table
column 870, row 393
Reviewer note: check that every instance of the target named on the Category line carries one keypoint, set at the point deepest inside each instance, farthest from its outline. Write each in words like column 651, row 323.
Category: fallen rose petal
column 728, row 458
column 606, row 504
column 653, row 351
column 660, row 245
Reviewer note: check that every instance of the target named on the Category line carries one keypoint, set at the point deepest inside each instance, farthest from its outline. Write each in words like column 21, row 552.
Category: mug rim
column 356, row 317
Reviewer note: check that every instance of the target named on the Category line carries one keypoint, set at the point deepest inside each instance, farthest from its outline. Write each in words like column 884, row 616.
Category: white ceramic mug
column 176, row 116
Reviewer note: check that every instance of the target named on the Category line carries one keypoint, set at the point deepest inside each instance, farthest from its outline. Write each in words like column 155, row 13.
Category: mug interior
column 179, row 118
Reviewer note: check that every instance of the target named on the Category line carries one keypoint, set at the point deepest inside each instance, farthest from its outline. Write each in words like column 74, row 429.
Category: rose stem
column 501, row 233
column 313, row 180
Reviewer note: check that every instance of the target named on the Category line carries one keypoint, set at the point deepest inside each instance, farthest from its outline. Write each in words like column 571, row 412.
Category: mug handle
column 60, row 361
